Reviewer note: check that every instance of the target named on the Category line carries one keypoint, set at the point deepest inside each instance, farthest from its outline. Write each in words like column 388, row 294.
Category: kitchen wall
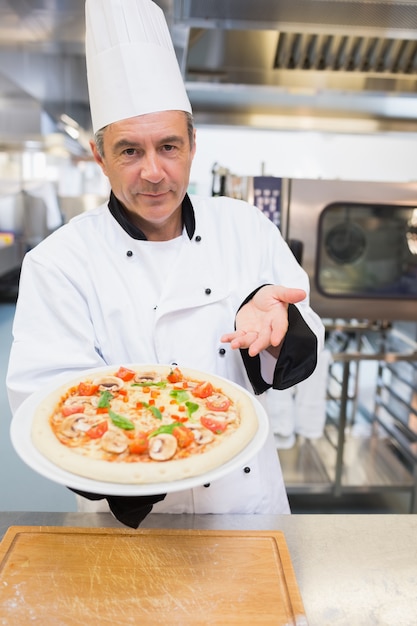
column 304, row 154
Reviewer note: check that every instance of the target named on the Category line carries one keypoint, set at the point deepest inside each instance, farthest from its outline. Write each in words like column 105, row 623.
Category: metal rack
column 370, row 438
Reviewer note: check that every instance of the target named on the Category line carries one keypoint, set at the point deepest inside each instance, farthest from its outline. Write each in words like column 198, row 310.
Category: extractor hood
column 345, row 65
column 319, row 63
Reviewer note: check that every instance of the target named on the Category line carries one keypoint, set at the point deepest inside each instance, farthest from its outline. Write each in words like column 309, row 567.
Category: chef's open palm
column 262, row 322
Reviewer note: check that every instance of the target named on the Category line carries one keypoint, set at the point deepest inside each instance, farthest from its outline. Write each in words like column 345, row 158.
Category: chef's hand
column 262, row 323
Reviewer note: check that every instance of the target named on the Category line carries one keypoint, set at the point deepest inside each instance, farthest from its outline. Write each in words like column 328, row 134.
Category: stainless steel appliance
column 359, row 244
column 360, row 250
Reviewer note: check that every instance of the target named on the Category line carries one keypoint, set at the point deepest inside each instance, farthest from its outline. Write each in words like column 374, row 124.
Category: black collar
column 120, row 215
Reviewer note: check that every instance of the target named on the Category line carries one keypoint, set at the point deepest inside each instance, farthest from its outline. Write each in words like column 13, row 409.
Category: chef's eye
column 168, row 148
column 129, row 151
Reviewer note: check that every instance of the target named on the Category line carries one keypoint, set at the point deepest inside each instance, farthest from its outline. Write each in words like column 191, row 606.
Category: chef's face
column 147, row 160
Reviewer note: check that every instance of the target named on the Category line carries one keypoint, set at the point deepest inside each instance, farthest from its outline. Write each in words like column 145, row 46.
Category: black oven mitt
column 130, row 510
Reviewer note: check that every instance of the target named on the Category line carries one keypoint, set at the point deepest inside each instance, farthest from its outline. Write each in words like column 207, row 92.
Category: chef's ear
column 193, row 145
column 98, row 158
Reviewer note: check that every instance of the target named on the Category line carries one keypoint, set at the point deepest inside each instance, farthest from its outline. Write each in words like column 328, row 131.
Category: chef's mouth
column 153, row 194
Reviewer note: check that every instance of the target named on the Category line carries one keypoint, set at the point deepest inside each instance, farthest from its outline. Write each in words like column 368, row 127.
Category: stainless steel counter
column 352, row 570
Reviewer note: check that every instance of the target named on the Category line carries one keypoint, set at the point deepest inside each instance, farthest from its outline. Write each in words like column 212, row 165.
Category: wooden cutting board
column 56, row 576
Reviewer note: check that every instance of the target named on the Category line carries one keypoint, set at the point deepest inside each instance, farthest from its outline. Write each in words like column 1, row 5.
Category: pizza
column 143, row 424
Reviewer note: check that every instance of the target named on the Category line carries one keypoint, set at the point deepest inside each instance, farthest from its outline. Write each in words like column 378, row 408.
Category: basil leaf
column 104, row 400
column 149, row 383
column 179, row 395
column 120, row 421
column 165, row 429
column 154, row 410
column 192, row 407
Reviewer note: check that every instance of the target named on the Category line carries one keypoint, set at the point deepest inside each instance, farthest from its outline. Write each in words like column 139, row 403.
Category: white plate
column 20, row 433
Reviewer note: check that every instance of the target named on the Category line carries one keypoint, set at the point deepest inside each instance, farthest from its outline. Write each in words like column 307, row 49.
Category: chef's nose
column 151, row 168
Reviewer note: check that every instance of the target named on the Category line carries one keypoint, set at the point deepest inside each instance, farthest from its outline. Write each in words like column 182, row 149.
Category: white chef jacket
column 91, row 295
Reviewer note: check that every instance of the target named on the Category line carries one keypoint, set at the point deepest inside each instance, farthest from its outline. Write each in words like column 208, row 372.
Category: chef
column 156, row 275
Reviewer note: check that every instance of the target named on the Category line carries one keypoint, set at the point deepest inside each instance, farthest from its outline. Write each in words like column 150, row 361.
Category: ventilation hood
column 343, row 65
column 350, row 65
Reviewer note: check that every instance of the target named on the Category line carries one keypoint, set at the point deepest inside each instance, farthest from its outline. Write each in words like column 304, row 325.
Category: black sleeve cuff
column 298, row 356
column 297, row 359
column 130, row 510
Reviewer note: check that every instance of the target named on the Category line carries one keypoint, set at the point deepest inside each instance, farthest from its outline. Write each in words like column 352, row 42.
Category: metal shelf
column 362, row 450
column 370, row 464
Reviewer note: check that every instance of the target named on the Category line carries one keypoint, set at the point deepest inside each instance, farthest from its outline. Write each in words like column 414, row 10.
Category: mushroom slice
column 113, row 441
column 147, row 377
column 222, row 417
column 201, row 435
column 109, row 383
column 80, row 400
column 75, row 425
column 162, row 447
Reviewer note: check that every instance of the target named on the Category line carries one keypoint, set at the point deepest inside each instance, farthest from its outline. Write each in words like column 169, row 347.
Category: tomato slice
column 203, row 390
column 178, row 418
column 218, row 402
column 216, row 426
column 124, row 373
column 87, row 389
column 98, row 430
column 140, row 444
column 71, row 409
column 175, row 376
column 183, row 435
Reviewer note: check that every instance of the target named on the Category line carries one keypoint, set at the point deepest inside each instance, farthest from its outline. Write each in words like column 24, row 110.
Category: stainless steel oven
column 359, row 242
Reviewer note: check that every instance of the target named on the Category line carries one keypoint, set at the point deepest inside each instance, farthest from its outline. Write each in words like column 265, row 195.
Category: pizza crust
column 149, row 472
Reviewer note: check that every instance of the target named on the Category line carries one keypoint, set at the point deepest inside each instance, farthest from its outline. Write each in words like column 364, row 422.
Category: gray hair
column 99, row 135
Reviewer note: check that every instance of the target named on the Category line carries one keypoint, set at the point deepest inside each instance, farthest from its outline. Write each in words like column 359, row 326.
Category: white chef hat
column 132, row 68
